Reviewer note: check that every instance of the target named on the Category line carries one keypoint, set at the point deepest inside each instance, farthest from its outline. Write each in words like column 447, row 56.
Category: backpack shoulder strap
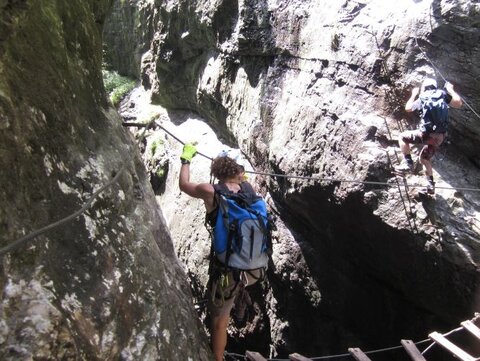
column 247, row 188
column 221, row 188
column 434, row 94
column 437, row 92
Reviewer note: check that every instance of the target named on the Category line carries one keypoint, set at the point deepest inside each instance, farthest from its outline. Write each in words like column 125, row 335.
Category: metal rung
column 297, row 357
column 472, row 328
column 454, row 349
column 412, row 350
column 254, row 356
column 358, row 354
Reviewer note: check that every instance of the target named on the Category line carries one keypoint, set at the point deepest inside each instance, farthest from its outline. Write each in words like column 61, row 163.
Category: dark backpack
column 241, row 231
column 434, row 111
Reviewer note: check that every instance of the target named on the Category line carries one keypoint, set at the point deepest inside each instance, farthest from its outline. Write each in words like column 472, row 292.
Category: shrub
column 117, row 85
column 155, row 146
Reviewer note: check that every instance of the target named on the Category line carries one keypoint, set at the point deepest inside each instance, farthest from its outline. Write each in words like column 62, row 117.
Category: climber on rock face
column 432, row 104
column 241, row 239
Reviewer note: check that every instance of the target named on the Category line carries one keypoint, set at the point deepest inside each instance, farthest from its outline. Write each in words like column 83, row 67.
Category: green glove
column 189, row 152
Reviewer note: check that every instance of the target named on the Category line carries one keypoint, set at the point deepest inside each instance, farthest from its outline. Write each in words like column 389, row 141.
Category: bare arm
column 409, row 105
column 456, row 101
column 203, row 191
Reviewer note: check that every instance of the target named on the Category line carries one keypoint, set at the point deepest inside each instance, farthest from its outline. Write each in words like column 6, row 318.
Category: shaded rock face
column 318, row 90
column 107, row 285
column 127, row 35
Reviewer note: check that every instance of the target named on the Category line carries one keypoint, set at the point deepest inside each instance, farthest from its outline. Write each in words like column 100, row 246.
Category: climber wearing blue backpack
column 241, row 241
column 432, row 104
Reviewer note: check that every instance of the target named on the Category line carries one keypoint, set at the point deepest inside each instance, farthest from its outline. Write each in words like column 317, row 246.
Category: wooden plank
column 254, row 356
column 412, row 350
column 358, row 354
column 472, row 328
column 298, row 357
column 454, row 349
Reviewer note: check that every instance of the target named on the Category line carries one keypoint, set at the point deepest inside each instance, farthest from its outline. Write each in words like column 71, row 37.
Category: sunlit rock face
column 317, row 89
column 106, row 285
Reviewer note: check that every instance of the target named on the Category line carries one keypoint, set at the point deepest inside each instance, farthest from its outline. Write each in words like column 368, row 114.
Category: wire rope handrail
column 25, row 239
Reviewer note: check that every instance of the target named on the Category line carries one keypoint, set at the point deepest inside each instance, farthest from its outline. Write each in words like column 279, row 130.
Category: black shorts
column 431, row 141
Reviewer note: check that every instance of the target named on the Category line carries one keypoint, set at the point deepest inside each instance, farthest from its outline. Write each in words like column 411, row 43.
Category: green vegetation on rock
column 116, row 85
column 161, row 173
column 155, row 146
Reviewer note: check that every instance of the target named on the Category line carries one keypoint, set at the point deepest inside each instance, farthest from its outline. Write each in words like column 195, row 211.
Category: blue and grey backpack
column 434, row 111
column 241, row 230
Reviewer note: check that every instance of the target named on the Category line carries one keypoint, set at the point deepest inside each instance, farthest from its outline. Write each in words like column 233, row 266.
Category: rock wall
column 127, row 34
column 107, row 285
column 318, row 89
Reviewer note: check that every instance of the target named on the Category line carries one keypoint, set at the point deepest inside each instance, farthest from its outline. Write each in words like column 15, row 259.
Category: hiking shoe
column 430, row 188
column 405, row 167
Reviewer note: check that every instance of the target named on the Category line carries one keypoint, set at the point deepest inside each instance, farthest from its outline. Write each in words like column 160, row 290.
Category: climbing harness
column 229, row 282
